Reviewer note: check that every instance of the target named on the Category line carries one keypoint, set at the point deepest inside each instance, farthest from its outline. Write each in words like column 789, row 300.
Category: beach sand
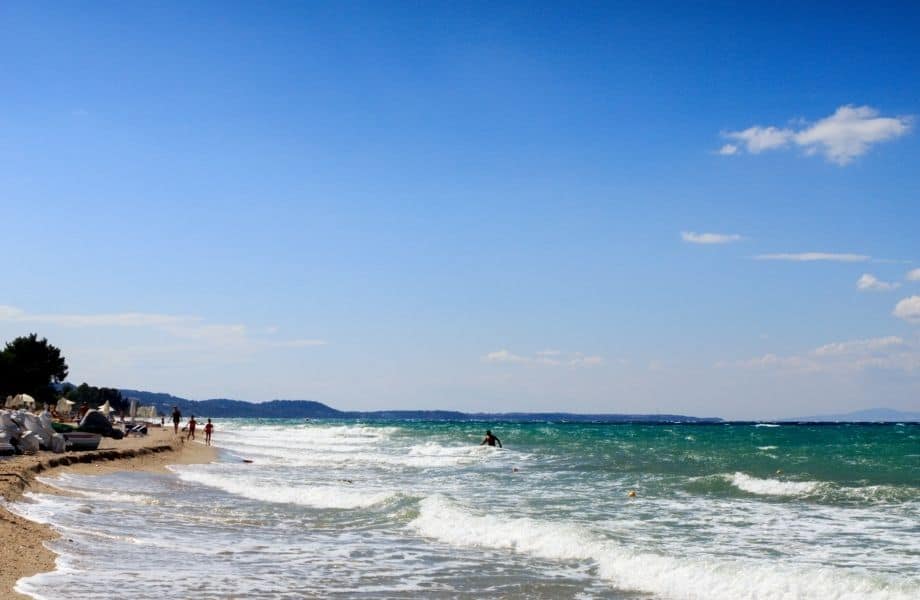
column 22, row 550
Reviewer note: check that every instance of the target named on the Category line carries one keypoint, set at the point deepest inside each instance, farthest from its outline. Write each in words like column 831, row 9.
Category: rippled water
column 420, row 510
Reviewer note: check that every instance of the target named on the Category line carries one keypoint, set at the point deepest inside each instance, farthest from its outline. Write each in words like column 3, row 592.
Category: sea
column 348, row 509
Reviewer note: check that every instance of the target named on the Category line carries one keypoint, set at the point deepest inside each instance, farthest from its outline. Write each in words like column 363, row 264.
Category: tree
column 29, row 365
column 95, row 397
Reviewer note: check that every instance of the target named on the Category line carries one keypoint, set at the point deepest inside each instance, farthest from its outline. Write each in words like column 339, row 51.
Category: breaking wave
column 441, row 519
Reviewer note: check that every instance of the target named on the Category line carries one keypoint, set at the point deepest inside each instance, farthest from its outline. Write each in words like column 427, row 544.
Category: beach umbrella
column 21, row 400
column 105, row 408
column 64, row 405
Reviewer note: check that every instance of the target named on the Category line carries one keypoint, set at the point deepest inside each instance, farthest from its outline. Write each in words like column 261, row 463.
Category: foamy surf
column 316, row 496
column 772, row 487
column 678, row 578
column 333, row 509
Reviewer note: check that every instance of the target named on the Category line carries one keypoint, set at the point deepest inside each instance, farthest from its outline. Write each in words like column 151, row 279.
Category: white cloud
column 868, row 282
column 503, row 356
column 302, row 343
column 891, row 352
column 757, row 139
column 178, row 326
column 848, row 133
column 549, row 352
column 908, row 309
column 728, row 150
column 913, row 275
column 859, row 346
column 580, row 360
column 767, row 361
column 709, row 238
column 549, row 358
column 129, row 319
column 814, row 256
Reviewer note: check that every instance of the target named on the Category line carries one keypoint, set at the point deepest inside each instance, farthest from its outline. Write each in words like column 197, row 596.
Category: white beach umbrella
column 21, row 400
column 105, row 408
column 63, row 405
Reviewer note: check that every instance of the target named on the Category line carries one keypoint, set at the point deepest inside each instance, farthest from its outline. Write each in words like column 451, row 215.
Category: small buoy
column 632, row 493
column 514, row 469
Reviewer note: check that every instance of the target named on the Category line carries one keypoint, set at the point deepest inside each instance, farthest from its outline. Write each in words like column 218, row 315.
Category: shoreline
column 23, row 552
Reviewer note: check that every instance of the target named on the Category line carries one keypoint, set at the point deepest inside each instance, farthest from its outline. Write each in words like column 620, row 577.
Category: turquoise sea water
column 408, row 509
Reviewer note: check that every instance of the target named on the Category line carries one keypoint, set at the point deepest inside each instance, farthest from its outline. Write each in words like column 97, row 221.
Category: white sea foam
column 683, row 578
column 71, row 485
column 370, row 452
column 766, row 425
column 317, row 496
column 772, row 487
column 765, row 448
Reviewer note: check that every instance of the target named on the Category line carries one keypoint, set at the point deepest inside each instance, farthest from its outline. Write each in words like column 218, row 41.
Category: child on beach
column 191, row 428
column 207, row 432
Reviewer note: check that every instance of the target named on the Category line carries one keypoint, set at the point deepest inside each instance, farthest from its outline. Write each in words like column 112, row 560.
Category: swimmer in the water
column 491, row 440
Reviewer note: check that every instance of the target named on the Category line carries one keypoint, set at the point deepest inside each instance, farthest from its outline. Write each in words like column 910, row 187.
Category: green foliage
column 29, row 365
column 95, row 397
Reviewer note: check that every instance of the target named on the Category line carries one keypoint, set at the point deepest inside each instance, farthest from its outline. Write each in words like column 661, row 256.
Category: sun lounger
column 135, row 429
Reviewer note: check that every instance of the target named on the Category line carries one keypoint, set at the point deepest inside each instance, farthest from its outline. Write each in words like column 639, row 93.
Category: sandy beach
column 22, row 549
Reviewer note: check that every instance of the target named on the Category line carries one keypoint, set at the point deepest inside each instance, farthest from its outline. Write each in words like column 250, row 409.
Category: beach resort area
column 102, row 492
column 453, row 299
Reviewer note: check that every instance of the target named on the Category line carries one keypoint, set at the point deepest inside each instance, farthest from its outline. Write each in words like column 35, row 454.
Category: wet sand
column 22, row 549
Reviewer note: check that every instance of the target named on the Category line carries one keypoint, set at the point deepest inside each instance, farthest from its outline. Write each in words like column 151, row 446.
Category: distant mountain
column 299, row 409
column 872, row 414
column 225, row 409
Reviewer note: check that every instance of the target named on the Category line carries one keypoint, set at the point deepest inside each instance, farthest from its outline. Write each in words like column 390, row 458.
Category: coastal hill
column 299, row 409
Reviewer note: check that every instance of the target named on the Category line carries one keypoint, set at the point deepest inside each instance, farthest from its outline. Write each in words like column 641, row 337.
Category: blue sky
column 470, row 206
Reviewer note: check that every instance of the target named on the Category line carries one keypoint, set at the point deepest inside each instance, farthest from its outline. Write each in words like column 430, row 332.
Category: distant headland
column 309, row 409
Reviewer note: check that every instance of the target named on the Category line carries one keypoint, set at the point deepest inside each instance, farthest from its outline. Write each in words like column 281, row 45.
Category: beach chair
column 135, row 429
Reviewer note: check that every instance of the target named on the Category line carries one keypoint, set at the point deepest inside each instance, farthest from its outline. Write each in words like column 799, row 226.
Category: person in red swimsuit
column 191, row 428
column 207, row 432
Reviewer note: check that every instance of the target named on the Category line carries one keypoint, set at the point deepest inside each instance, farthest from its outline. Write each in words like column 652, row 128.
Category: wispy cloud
column 815, row 256
column 127, row 319
column 549, row 352
column 841, row 137
column 908, row 309
column 182, row 327
column 870, row 283
column 891, row 352
column 913, row 275
column 691, row 237
column 548, row 358
column 301, row 343
column 757, row 139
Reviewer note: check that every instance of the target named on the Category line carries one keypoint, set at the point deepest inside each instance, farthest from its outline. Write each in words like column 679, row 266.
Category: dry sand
column 22, row 549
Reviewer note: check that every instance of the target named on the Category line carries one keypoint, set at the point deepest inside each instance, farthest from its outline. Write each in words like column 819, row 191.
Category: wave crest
column 683, row 578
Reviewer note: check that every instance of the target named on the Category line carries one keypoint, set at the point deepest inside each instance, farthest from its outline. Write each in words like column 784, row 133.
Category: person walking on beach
column 191, row 427
column 176, row 416
column 490, row 440
column 207, row 432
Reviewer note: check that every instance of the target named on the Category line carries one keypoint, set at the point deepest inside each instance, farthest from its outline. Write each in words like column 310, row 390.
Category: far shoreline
column 23, row 550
